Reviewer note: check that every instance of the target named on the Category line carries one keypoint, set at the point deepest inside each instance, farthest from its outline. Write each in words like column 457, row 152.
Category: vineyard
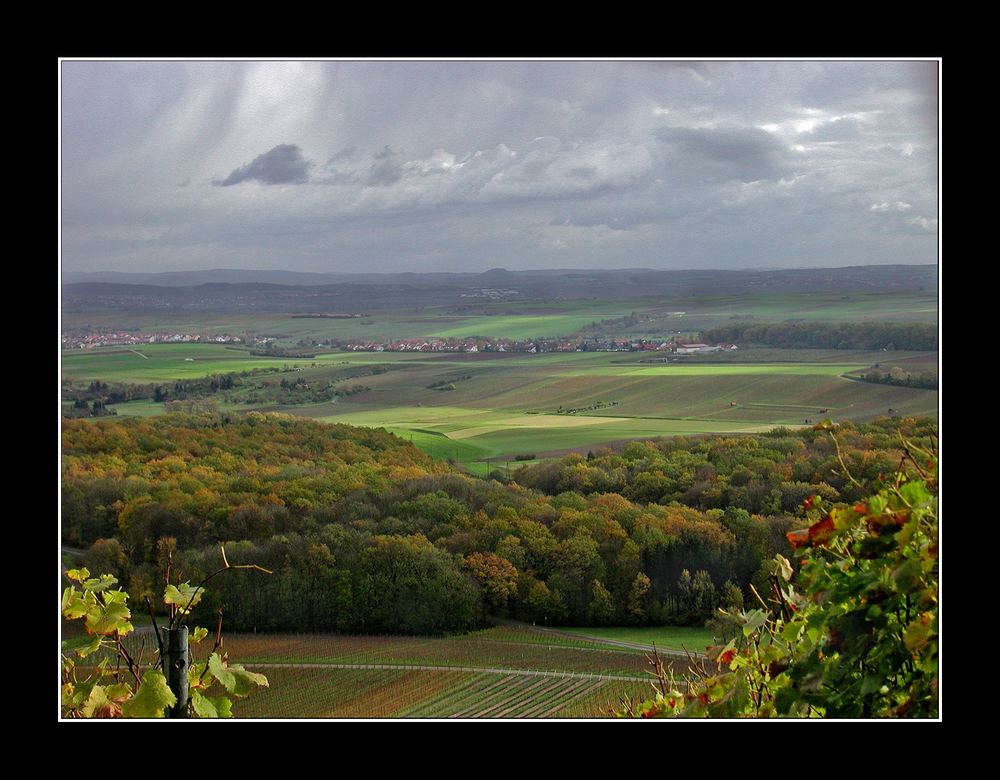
column 496, row 673
column 408, row 693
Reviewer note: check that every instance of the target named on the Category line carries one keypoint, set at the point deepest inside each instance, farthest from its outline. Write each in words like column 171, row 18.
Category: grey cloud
column 387, row 168
column 839, row 129
column 632, row 163
column 582, row 172
column 284, row 164
column 344, row 154
column 744, row 153
column 338, row 169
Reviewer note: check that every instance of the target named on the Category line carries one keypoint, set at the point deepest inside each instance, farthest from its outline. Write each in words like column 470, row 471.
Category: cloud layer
column 469, row 165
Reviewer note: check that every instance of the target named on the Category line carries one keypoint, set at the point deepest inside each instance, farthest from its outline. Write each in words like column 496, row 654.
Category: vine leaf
column 203, row 706
column 197, row 635
column 211, row 707
column 93, row 647
column 784, row 567
column 73, row 605
column 152, row 698
column 245, row 681
column 180, row 596
column 97, row 584
column 109, row 618
column 96, row 702
column 221, row 673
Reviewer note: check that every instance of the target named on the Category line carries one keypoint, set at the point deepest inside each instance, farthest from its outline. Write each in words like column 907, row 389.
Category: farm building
column 692, row 349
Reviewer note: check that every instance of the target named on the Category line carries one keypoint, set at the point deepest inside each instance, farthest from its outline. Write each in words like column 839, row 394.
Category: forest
column 364, row 533
column 828, row 335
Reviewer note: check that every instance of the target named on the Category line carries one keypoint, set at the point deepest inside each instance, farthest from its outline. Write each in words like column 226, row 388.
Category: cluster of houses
column 492, row 293
column 533, row 346
column 122, row 338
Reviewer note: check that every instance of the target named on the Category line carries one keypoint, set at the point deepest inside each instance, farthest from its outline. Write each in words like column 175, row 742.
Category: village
column 532, row 346
column 98, row 338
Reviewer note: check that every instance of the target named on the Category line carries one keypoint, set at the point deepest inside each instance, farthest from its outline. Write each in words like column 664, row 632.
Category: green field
column 514, row 320
column 525, row 326
column 501, row 405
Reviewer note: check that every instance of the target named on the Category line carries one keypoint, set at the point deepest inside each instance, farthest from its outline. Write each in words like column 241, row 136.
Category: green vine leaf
column 211, row 707
column 152, row 698
column 245, row 681
column 97, row 700
column 100, row 695
column 197, row 635
column 111, row 618
column 220, row 672
column 223, row 706
column 180, row 596
column 98, row 584
column 73, row 605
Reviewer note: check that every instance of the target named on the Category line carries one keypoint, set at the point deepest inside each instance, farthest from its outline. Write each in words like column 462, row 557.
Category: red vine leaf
column 821, row 532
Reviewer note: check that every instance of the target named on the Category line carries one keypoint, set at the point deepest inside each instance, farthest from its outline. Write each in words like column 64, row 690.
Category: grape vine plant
column 852, row 634
column 119, row 684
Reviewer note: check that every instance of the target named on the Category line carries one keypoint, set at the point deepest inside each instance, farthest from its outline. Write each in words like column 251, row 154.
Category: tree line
column 828, row 335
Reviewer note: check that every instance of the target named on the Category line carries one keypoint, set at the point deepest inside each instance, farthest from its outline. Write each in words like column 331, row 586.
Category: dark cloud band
column 284, row 164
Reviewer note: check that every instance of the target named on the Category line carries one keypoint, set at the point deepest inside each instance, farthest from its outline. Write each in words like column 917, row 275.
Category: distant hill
column 299, row 278
column 287, row 291
column 195, row 278
column 643, row 281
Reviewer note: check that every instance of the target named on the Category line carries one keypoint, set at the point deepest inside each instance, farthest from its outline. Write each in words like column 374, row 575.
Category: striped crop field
column 503, row 672
column 371, row 693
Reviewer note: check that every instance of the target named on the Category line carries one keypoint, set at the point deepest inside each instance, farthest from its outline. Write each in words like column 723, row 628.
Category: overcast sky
column 452, row 166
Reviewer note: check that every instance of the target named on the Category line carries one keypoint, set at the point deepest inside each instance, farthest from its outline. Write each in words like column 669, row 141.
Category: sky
column 386, row 166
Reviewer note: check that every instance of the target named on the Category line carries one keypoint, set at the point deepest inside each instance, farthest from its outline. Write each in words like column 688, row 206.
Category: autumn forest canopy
column 367, row 534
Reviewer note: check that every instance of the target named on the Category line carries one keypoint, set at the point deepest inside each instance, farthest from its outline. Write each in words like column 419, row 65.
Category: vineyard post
column 175, row 664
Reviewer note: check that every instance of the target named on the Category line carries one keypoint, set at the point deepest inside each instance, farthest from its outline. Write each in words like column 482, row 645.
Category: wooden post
column 175, row 666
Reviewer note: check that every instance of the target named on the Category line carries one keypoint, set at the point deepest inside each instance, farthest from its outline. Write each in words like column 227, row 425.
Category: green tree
column 638, row 596
column 601, row 609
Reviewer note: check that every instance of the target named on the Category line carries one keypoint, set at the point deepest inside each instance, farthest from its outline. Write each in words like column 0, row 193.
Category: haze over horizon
column 464, row 166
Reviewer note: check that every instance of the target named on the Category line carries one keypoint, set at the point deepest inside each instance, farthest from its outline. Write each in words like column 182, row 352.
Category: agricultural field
column 501, row 672
column 499, row 405
column 514, row 320
column 497, row 673
column 647, row 316
column 690, row 638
